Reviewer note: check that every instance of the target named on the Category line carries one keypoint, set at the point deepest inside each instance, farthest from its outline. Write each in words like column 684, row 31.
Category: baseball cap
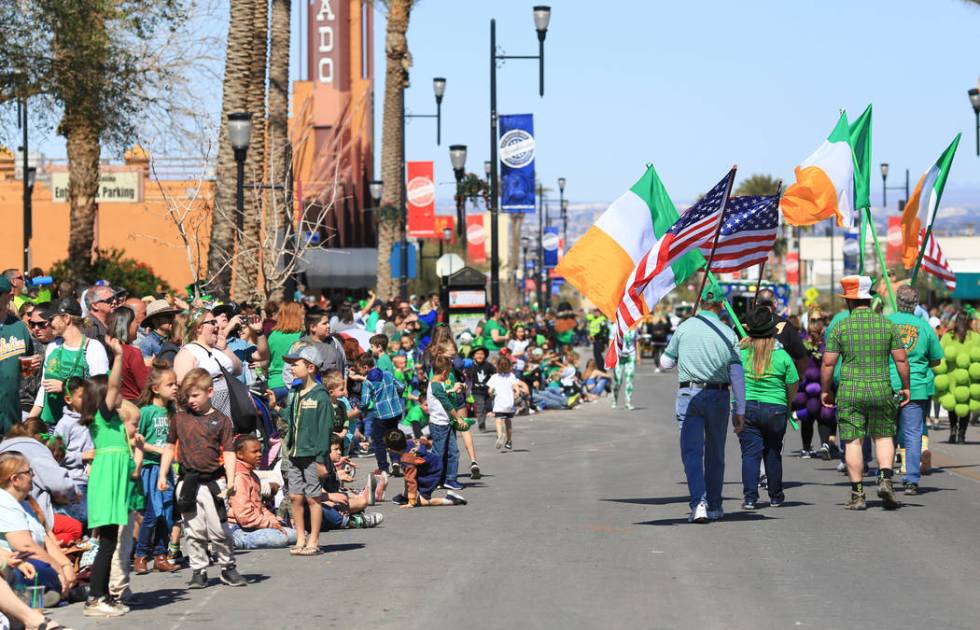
column 228, row 309
column 712, row 294
column 306, row 353
column 66, row 306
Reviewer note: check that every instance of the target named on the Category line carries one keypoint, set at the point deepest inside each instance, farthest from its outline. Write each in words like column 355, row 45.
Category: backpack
column 244, row 415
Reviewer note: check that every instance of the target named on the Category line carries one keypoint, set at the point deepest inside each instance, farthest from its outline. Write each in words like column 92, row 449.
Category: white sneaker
column 716, row 515
column 500, row 441
column 612, row 405
column 699, row 514
column 629, row 407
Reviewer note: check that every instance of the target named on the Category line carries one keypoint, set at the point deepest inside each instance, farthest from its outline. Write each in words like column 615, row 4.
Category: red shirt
column 135, row 372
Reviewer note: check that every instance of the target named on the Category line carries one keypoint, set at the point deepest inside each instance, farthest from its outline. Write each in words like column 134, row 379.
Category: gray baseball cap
column 307, row 353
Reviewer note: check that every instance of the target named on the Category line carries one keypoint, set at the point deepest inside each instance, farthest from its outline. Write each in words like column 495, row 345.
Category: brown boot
column 161, row 564
column 140, row 566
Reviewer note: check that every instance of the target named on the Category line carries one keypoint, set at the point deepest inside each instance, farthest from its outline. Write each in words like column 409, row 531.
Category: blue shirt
column 150, row 344
column 384, row 391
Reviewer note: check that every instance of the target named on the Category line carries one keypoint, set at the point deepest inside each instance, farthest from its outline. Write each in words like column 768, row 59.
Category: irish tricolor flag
column 600, row 262
column 923, row 203
column 824, row 185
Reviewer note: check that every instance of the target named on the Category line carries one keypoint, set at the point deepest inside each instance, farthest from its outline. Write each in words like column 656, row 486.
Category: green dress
column 111, row 488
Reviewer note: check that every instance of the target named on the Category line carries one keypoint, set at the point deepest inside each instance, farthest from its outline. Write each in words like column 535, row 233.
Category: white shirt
column 518, row 346
column 210, row 363
column 14, row 517
column 502, row 386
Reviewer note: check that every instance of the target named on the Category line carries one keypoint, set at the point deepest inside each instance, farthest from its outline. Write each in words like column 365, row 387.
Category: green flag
column 859, row 137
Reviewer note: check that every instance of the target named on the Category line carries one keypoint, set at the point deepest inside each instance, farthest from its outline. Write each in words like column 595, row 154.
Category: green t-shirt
column 62, row 364
column 279, row 345
column 371, row 325
column 384, row 363
column 922, row 347
column 154, row 425
column 488, row 341
column 771, row 386
column 415, row 414
column 14, row 342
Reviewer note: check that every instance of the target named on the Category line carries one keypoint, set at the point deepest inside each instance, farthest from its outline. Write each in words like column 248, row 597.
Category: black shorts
column 500, row 415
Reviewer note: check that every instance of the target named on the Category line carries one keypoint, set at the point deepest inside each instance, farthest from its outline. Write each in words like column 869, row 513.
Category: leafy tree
column 90, row 66
column 757, row 184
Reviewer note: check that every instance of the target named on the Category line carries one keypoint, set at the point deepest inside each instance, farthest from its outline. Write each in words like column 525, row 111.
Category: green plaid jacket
column 864, row 341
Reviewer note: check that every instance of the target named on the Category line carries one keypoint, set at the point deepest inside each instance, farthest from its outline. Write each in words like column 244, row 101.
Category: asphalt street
column 584, row 525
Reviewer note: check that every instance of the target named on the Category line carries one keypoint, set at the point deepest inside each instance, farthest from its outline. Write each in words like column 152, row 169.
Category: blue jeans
column 444, row 444
column 334, row 519
column 910, row 420
column 267, row 538
column 762, row 439
column 549, row 399
column 379, row 428
column 158, row 514
column 703, row 416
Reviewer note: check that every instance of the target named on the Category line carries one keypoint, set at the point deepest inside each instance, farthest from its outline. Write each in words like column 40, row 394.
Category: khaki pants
column 203, row 528
column 119, row 569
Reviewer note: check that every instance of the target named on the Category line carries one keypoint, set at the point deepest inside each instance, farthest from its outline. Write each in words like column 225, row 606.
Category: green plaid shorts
column 866, row 408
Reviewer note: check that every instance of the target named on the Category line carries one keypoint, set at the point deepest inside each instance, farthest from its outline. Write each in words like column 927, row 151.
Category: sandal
column 46, row 625
column 296, row 550
column 309, row 551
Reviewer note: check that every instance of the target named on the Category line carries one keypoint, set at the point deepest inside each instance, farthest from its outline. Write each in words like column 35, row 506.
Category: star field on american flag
column 748, row 233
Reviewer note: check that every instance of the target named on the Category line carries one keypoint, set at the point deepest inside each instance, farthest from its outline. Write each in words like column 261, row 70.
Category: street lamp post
column 438, row 90
column 885, row 187
column 542, row 16
column 539, row 278
column 28, row 218
column 457, row 157
column 564, row 221
column 447, row 235
column 524, row 243
column 975, row 102
column 240, row 135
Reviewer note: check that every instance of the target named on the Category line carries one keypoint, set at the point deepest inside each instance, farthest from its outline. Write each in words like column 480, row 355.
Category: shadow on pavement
column 733, row 517
column 786, row 504
column 340, row 547
column 162, row 597
column 652, row 500
column 928, row 489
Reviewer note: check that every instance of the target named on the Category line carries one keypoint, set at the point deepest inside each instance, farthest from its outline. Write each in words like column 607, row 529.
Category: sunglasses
column 212, row 322
column 39, row 325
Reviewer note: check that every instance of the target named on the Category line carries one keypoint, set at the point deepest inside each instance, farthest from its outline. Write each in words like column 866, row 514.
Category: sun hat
column 934, row 322
column 761, row 323
column 855, row 288
column 307, row 353
column 159, row 307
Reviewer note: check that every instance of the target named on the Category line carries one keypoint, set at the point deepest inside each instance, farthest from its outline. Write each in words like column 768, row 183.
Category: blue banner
column 550, row 242
column 517, row 163
column 851, row 248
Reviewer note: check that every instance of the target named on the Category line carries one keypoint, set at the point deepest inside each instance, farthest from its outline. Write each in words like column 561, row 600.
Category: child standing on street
column 111, row 485
column 479, row 376
column 502, row 386
column 381, row 393
column 442, row 412
column 309, row 418
column 158, row 403
column 207, row 454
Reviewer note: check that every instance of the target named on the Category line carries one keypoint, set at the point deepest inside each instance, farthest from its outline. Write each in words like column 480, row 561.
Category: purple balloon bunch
column 806, row 403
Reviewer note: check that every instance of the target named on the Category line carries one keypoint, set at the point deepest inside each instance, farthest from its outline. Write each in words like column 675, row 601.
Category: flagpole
column 714, row 241
column 762, row 265
column 922, row 251
column 881, row 261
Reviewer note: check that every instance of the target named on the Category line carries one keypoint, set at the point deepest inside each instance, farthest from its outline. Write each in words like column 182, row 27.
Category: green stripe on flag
column 859, row 136
column 943, row 163
column 842, row 132
column 663, row 214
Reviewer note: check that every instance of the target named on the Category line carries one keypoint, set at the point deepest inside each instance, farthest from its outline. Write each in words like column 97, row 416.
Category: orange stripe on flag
column 811, row 199
column 598, row 267
column 911, row 226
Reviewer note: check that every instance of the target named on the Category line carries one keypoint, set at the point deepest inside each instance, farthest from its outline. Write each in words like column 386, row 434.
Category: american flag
column 935, row 262
column 695, row 228
column 748, row 233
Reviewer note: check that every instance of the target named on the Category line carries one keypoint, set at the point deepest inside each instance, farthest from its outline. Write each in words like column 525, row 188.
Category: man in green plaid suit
column 866, row 403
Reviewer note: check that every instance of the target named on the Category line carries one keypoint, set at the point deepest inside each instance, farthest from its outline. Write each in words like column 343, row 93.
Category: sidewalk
column 959, row 459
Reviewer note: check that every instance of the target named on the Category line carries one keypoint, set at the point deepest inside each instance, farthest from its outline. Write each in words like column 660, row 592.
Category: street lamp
column 975, row 102
column 376, row 187
column 564, row 221
column 28, row 218
column 29, row 179
column 457, row 157
column 885, row 187
column 542, row 16
column 240, row 135
column 439, row 90
column 538, row 278
column 486, row 168
column 525, row 241
column 561, row 204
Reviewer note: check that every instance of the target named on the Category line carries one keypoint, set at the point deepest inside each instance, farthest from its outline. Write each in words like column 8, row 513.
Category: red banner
column 421, row 194
column 441, row 223
column 476, row 238
column 893, row 250
column 792, row 268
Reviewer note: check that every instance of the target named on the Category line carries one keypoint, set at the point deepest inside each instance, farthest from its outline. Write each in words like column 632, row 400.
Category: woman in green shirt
column 770, row 383
column 288, row 330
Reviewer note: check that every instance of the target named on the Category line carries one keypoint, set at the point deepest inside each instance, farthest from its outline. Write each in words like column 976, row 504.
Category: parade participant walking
column 866, row 404
column 14, row 346
column 709, row 370
column 623, row 372
column 770, row 383
column 962, row 334
column 924, row 352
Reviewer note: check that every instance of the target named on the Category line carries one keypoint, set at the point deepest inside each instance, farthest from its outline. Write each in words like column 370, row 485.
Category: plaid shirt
column 865, row 341
column 382, row 393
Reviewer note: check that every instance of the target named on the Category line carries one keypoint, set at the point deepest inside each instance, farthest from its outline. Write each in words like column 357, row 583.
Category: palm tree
column 758, row 184
column 277, row 161
column 237, row 82
column 398, row 61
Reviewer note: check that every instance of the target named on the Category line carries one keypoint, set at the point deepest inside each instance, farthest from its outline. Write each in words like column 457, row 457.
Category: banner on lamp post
column 851, row 248
column 421, row 194
column 476, row 238
column 441, row 223
column 893, row 251
column 792, row 267
column 550, row 242
column 516, row 150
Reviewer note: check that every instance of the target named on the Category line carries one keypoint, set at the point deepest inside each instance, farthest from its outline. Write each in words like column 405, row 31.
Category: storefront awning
column 340, row 268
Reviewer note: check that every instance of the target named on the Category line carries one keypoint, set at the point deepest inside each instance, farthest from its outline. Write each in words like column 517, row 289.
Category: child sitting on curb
column 252, row 524
column 421, row 468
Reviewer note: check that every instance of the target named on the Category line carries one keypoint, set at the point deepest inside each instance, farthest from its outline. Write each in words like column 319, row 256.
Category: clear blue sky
column 694, row 87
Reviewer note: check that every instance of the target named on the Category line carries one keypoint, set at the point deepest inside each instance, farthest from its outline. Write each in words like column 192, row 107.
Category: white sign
column 421, row 191
column 476, row 234
column 467, row 299
column 448, row 264
column 114, row 187
column 550, row 241
column 516, row 148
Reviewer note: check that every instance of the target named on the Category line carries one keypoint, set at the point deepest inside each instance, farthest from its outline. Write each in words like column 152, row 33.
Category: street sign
column 448, row 264
column 396, row 260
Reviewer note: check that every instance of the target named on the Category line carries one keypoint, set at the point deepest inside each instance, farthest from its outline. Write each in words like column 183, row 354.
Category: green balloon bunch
column 958, row 377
